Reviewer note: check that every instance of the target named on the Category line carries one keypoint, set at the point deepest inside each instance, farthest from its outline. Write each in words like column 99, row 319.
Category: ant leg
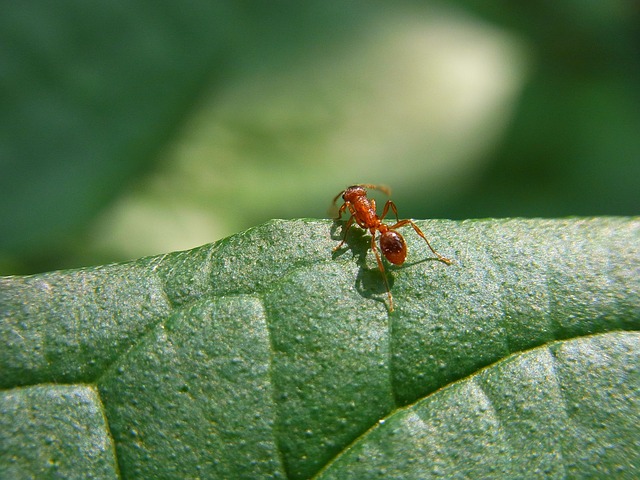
column 419, row 232
column 344, row 236
column 381, row 267
column 385, row 210
column 395, row 210
column 341, row 211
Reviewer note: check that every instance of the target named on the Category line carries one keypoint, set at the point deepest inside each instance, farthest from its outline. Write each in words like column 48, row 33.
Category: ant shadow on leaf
column 369, row 282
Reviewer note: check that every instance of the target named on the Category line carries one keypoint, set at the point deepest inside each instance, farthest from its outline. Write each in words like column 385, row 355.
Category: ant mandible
column 363, row 211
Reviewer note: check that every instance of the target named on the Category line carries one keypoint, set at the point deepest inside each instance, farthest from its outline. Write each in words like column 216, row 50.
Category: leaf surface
column 265, row 354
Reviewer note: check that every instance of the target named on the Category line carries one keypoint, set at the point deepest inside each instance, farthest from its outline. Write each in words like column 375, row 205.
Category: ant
column 363, row 211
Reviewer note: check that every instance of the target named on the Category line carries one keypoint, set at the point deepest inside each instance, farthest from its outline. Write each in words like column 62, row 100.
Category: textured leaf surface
column 550, row 411
column 267, row 355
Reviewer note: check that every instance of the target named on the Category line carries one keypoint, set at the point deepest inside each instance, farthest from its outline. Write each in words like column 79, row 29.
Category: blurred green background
column 142, row 127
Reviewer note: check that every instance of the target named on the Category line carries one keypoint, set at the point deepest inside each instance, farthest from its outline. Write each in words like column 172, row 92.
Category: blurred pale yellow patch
column 415, row 103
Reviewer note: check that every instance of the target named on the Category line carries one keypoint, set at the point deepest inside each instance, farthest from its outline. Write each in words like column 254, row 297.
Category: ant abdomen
column 393, row 247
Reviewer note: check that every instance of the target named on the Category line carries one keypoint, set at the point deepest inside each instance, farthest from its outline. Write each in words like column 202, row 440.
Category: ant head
column 353, row 192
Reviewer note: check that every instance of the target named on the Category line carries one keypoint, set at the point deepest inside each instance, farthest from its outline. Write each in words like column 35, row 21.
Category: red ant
column 363, row 212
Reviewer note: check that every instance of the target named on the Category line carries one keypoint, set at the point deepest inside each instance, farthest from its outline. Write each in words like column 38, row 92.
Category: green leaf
column 267, row 355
